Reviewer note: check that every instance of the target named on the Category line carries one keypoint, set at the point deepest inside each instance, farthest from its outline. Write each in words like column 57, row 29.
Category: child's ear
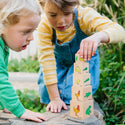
column 3, row 32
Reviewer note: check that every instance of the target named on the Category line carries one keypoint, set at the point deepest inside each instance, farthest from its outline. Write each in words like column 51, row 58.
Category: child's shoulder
column 83, row 10
column 44, row 20
column 44, row 24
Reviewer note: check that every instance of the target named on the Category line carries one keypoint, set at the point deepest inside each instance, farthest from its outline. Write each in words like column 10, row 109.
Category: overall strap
column 54, row 36
column 76, row 20
column 76, row 24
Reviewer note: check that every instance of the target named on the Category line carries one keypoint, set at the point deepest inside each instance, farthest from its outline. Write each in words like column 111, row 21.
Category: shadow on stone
column 5, row 121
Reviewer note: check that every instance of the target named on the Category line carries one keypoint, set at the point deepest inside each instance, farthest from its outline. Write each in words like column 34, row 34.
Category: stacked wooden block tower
column 81, row 105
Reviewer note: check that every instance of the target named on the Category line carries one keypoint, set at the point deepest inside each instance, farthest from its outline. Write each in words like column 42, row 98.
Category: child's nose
column 61, row 20
column 30, row 37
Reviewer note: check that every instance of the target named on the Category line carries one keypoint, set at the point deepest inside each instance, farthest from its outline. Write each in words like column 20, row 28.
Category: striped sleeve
column 91, row 21
column 46, row 53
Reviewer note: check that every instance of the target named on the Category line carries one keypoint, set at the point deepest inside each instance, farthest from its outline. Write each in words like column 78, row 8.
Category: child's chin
column 18, row 50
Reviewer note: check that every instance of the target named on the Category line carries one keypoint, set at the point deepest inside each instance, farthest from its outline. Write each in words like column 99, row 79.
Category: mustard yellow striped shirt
column 90, row 22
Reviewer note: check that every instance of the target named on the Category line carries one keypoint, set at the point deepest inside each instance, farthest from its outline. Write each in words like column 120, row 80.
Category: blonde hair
column 62, row 4
column 11, row 10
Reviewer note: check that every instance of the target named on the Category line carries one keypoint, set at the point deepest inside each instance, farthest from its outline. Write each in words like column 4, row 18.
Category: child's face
column 58, row 19
column 19, row 35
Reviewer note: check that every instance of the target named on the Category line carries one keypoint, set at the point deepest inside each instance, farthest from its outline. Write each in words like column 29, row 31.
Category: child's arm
column 9, row 98
column 89, row 45
column 48, row 63
column 105, row 30
column 56, row 104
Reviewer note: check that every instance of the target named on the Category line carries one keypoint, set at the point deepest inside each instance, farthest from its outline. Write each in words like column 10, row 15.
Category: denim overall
column 65, row 57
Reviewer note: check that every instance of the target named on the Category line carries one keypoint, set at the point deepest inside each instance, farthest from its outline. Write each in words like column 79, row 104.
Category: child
column 67, row 28
column 18, row 20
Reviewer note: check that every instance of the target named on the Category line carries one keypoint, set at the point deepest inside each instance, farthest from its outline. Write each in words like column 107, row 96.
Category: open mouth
column 24, row 47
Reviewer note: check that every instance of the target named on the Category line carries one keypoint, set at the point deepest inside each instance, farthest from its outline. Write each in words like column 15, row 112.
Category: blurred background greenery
column 111, row 93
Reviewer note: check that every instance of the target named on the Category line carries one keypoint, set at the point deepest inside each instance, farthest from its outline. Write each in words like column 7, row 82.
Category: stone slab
column 56, row 118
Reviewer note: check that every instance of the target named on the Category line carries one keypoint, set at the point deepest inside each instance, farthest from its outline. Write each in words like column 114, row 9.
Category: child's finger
column 54, row 108
column 85, row 48
column 90, row 50
column 48, row 107
column 40, row 116
column 64, row 106
column 94, row 49
column 34, row 118
column 6, row 111
column 59, row 108
column 81, row 48
column 78, row 52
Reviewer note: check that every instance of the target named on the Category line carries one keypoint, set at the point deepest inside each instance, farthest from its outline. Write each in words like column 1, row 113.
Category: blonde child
column 67, row 28
column 18, row 20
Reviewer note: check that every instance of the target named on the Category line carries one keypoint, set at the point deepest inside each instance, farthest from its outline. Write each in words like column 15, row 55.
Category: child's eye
column 26, row 32
column 67, row 13
column 53, row 15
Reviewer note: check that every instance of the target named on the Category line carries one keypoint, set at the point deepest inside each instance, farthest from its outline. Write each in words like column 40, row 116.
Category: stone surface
column 29, row 80
column 62, row 118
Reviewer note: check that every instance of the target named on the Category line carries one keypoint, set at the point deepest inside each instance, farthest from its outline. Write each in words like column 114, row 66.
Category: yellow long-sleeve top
column 90, row 22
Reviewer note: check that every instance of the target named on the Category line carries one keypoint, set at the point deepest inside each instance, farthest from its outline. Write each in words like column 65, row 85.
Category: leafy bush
column 31, row 100
column 112, row 85
column 112, row 64
column 30, row 64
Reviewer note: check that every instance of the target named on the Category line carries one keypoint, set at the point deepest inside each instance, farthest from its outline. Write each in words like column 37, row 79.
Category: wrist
column 53, row 92
column 103, row 37
column 100, row 37
column 55, row 98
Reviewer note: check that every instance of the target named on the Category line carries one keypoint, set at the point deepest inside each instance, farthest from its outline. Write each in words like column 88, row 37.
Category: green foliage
column 112, row 64
column 30, row 64
column 113, row 9
column 31, row 100
column 112, row 84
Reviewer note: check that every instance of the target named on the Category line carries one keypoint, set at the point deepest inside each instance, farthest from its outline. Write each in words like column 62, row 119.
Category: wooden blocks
column 81, row 93
column 81, row 68
column 81, row 110
column 81, row 79
column 81, row 105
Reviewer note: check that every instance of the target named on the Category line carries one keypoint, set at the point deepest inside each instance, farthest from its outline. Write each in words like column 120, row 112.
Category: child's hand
column 56, row 106
column 89, row 45
column 29, row 115
column 6, row 111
